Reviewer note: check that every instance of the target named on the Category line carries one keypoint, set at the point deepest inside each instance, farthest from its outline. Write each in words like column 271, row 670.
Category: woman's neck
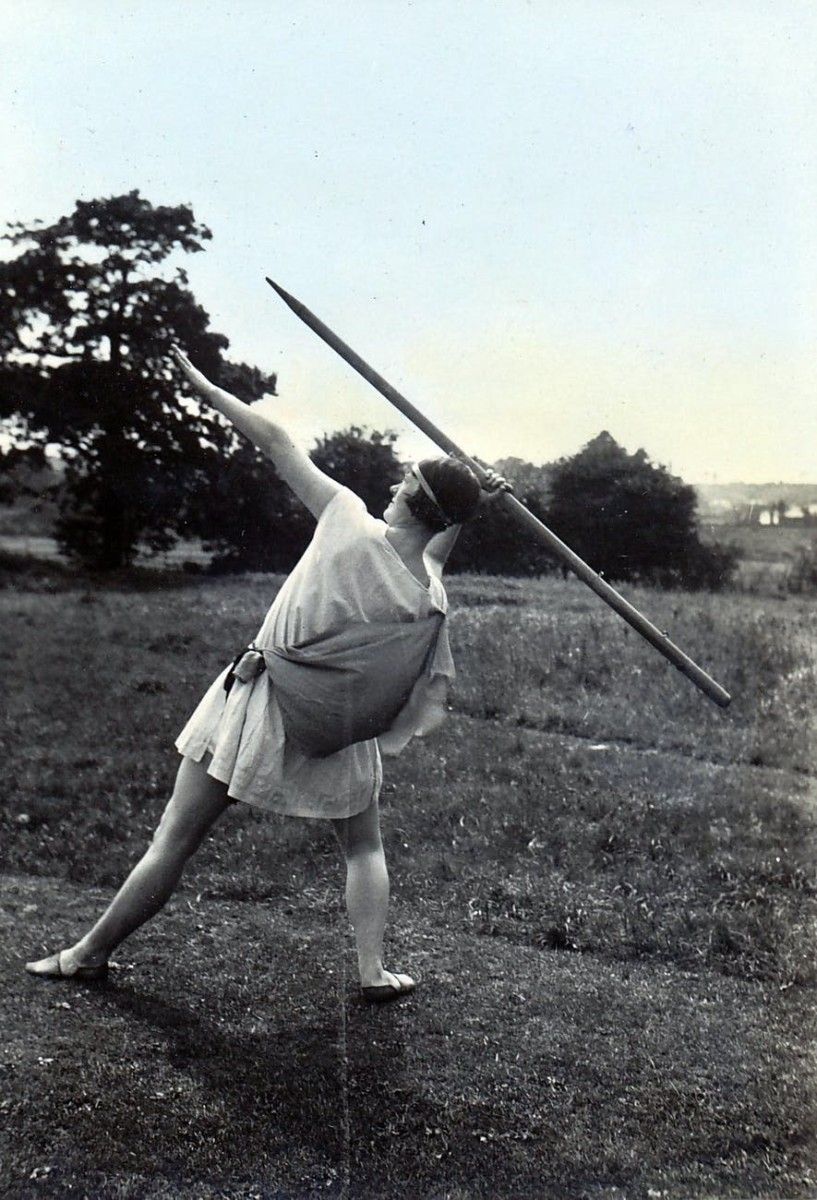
column 409, row 543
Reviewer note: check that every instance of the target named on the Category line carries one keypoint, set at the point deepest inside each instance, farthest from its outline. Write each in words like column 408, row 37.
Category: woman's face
column 397, row 509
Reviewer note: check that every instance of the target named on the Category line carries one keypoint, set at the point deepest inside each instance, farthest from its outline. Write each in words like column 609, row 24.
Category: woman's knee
column 360, row 834
column 174, row 836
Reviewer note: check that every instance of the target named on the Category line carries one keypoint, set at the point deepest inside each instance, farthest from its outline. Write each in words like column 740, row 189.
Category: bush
column 631, row 519
column 803, row 574
column 701, row 567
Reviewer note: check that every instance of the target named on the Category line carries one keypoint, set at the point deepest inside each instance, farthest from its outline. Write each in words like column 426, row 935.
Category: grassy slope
column 606, row 885
column 768, row 552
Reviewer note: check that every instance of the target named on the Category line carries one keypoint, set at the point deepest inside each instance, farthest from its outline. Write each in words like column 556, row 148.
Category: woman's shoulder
column 344, row 500
column 347, row 526
column 346, row 511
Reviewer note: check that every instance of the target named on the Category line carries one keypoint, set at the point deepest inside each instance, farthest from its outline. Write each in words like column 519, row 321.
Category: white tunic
column 348, row 574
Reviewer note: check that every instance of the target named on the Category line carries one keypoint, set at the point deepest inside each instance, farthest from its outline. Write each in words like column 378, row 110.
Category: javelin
column 524, row 516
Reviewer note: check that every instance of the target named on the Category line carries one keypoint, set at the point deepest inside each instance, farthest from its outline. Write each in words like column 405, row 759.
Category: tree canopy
column 88, row 310
column 89, row 307
column 631, row 519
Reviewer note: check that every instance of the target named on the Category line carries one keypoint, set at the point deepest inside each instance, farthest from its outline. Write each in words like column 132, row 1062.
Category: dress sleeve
column 343, row 523
column 426, row 708
column 441, row 661
column 343, row 510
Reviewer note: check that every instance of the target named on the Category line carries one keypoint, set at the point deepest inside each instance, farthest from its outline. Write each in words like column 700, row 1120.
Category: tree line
column 89, row 307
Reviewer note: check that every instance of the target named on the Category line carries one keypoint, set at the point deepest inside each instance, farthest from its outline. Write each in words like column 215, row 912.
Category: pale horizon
column 537, row 221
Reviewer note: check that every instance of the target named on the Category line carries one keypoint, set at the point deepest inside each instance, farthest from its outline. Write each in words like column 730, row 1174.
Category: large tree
column 89, row 307
column 631, row 519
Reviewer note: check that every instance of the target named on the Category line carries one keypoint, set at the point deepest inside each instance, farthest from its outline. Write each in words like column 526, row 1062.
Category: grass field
column 768, row 553
column 605, row 884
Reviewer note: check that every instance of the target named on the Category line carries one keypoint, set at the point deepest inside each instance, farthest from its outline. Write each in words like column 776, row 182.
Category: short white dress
column 348, row 575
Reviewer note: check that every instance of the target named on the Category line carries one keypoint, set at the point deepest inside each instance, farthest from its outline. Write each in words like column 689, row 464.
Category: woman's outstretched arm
column 293, row 464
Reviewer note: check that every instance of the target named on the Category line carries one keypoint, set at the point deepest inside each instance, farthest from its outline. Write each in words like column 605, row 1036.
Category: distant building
column 788, row 514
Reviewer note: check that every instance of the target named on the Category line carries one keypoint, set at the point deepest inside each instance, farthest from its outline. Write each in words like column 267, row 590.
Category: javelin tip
column 290, row 301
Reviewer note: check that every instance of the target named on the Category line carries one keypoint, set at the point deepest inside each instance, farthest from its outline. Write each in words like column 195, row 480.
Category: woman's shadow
column 304, row 1082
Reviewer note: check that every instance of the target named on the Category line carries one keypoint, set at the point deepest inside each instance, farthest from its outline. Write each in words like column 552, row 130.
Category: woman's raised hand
column 179, row 359
column 492, row 482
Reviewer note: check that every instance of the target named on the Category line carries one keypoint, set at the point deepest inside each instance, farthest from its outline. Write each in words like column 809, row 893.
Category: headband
column 426, row 486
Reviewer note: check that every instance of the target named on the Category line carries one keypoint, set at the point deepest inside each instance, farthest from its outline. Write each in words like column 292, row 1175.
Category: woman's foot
column 66, row 965
column 387, row 987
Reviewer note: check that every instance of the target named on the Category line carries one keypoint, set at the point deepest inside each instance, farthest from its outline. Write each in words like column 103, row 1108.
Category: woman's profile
column 351, row 662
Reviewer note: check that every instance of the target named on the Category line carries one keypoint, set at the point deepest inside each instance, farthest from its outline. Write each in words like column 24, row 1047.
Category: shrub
column 803, row 574
column 630, row 519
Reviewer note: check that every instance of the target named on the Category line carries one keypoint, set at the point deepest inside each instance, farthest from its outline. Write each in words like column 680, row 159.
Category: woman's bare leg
column 367, row 893
column 197, row 801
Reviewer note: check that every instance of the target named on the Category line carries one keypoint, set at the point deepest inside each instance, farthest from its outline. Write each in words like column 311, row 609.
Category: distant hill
column 715, row 500
column 764, row 493
column 720, row 499
column 758, row 503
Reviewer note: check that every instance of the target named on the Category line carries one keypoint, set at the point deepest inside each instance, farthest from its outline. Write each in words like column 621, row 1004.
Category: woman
column 351, row 662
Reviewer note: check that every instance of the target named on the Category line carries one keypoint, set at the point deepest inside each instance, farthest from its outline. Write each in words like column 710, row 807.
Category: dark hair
column 456, row 492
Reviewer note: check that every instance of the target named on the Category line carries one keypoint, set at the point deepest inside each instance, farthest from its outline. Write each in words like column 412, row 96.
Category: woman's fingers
column 491, row 481
column 180, row 359
column 192, row 374
column 496, row 483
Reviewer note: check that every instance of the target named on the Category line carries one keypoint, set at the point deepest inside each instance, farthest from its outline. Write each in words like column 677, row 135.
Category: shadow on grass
column 256, row 1096
column 312, row 1102
column 213, row 1074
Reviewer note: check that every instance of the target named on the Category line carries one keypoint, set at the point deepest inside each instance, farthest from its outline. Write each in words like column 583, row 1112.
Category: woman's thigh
column 197, row 801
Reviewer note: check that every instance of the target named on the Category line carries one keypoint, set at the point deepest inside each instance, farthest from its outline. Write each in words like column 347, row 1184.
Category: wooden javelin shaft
column 600, row 586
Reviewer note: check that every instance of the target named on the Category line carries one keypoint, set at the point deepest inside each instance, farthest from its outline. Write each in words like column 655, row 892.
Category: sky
column 537, row 220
